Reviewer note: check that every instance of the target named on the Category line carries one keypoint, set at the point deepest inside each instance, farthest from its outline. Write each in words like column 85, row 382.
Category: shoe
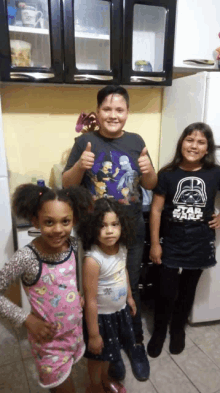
column 139, row 362
column 113, row 387
column 116, row 370
column 177, row 342
column 155, row 344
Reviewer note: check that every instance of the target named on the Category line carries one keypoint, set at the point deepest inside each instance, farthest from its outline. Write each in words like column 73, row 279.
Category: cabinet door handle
column 199, row 61
column 31, row 75
column 87, row 77
column 147, row 78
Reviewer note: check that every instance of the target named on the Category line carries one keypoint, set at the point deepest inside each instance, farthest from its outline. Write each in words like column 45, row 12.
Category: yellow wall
column 39, row 125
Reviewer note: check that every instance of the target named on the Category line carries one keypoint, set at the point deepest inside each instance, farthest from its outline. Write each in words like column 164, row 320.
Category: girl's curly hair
column 89, row 227
column 28, row 199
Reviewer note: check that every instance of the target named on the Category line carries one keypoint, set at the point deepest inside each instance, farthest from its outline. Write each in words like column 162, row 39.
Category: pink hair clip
column 40, row 193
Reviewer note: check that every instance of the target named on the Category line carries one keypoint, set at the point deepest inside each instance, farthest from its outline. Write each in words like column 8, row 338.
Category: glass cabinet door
column 95, row 40
column 148, row 41
column 30, row 28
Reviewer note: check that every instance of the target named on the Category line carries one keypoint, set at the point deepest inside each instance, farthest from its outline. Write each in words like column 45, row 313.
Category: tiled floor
column 197, row 369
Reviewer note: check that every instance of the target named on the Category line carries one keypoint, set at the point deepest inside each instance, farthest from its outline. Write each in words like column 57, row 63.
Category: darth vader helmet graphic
column 190, row 191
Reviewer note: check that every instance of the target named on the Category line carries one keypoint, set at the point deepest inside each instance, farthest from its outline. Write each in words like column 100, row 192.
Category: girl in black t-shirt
column 185, row 194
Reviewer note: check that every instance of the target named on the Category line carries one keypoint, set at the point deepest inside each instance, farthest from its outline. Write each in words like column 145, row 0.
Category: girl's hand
column 132, row 305
column 215, row 223
column 155, row 254
column 95, row 344
column 82, row 300
column 43, row 331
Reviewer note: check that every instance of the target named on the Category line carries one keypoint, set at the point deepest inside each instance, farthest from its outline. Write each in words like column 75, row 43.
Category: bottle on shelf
column 41, row 183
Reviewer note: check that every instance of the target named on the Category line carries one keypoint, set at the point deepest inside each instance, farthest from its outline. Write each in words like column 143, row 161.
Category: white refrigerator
column 192, row 99
column 6, row 230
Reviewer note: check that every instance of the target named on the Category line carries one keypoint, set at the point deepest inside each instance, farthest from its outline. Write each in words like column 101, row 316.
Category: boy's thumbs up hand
column 88, row 147
column 87, row 158
column 144, row 162
column 144, row 152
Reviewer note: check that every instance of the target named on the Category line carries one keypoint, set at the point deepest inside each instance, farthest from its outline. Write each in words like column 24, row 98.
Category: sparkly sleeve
column 12, row 270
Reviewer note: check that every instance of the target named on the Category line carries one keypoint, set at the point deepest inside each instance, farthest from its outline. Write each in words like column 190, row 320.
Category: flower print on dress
column 55, row 301
column 41, row 290
column 70, row 297
column 48, row 279
column 62, row 286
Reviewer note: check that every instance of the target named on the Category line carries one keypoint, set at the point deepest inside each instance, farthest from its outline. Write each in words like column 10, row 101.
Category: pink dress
column 55, row 299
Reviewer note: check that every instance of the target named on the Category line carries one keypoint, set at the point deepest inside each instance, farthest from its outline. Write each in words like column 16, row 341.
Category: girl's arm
column 90, row 286
column 12, row 271
column 130, row 299
column 155, row 220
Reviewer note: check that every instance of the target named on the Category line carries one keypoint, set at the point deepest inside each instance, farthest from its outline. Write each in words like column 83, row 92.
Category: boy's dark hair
column 89, row 227
column 111, row 89
column 208, row 160
column 28, row 199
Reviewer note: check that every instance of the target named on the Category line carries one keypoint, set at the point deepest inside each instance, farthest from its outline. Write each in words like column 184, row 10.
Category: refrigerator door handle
column 200, row 62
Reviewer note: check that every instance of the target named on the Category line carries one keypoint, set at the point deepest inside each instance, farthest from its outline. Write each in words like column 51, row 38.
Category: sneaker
column 139, row 362
column 116, row 370
column 155, row 344
column 177, row 342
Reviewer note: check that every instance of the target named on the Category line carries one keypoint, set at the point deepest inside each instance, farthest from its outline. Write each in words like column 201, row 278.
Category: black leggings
column 175, row 296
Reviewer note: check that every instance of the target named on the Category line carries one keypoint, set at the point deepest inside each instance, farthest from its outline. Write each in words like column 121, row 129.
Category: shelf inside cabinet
column 32, row 30
column 92, row 36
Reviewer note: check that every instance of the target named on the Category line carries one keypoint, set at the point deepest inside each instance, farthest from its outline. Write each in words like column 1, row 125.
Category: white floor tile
column 202, row 371
column 13, row 378
column 9, row 346
column 168, row 378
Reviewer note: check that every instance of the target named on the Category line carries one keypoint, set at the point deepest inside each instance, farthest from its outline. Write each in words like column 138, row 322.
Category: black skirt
column 117, row 333
column 189, row 246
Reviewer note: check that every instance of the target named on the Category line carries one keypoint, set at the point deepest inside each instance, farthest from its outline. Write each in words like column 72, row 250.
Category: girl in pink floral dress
column 48, row 270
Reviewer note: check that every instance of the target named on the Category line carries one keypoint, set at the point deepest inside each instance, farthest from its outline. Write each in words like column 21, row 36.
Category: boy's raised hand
column 87, row 158
column 43, row 331
column 144, row 162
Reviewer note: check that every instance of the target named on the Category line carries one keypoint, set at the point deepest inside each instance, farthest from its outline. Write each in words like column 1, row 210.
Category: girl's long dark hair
column 89, row 227
column 208, row 161
column 28, row 199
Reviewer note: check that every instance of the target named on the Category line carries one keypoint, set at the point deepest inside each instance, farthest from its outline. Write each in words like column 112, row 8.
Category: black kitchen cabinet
column 87, row 41
column 31, row 41
column 148, row 41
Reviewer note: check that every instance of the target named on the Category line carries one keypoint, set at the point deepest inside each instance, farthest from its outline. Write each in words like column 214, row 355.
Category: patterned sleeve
column 161, row 187
column 12, row 270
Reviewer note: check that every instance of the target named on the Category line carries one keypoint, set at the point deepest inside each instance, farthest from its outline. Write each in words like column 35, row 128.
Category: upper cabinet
column 196, row 35
column 93, row 41
column 148, row 41
column 31, row 41
column 87, row 41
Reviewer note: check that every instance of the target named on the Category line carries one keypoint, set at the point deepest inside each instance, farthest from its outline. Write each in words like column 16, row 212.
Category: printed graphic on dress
column 190, row 197
column 115, row 175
